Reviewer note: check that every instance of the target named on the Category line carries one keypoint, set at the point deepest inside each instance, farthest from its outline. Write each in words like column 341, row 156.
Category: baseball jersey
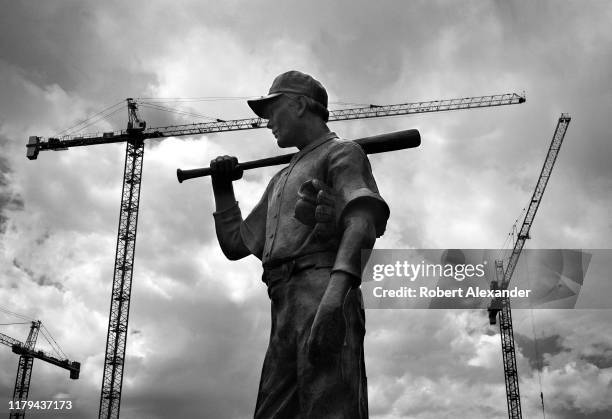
column 273, row 234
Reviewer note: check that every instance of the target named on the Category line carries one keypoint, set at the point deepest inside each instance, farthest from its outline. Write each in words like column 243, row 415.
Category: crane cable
column 155, row 103
column 12, row 313
column 88, row 121
column 539, row 365
column 510, row 237
column 221, row 98
column 504, row 245
column 174, row 110
column 54, row 345
column 102, row 117
column 192, row 99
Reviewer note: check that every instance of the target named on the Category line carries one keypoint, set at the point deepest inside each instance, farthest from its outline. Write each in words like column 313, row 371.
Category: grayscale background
column 199, row 323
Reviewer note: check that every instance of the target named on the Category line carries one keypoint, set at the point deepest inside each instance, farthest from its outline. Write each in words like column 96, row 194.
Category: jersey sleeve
column 253, row 228
column 350, row 175
column 239, row 238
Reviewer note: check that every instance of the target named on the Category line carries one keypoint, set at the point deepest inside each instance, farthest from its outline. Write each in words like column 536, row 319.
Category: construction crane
column 501, row 305
column 27, row 353
column 134, row 136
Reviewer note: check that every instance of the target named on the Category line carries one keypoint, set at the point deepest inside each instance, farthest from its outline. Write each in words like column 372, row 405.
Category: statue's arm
column 228, row 224
column 362, row 216
column 237, row 237
column 358, row 233
column 328, row 328
column 228, row 218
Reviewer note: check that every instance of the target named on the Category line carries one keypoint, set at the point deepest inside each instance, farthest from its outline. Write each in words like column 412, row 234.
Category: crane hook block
column 33, row 147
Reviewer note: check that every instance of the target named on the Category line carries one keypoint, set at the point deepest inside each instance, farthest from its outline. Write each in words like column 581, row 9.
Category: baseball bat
column 376, row 144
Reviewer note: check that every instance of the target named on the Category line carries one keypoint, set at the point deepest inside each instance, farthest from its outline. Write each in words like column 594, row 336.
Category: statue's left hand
column 329, row 325
column 327, row 334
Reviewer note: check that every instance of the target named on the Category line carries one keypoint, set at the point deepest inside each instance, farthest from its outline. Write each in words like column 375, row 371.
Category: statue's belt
column 313, row 260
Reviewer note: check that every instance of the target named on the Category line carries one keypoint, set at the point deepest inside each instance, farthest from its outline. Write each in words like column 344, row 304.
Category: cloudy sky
column 199, row 323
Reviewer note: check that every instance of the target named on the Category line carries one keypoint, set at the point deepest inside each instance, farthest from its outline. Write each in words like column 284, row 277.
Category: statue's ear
column 301, row 104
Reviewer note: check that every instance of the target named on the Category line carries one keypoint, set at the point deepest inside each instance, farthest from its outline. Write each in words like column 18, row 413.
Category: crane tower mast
column 502, row 305
column 24, row 370
column 135, row 135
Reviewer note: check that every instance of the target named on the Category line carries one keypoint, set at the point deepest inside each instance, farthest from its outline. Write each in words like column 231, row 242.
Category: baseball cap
column 294, row 82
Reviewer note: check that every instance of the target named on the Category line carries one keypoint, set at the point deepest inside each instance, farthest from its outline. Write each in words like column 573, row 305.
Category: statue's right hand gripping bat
column 377, row 144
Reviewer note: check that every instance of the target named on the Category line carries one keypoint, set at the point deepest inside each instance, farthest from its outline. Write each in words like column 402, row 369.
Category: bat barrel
column 390, row 142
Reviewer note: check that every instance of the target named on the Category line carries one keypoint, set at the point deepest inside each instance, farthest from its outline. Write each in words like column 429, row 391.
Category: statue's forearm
column 359, row 233
column 227, row 221
column 227, row 226
column 224, row 195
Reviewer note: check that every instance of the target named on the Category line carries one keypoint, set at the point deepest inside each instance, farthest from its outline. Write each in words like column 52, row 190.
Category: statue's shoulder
column 342, row 147
column 278, row 174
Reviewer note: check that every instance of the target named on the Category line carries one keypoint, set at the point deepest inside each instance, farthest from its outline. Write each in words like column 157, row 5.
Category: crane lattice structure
column 502, row 305
column 27, row 353
column 135, row 135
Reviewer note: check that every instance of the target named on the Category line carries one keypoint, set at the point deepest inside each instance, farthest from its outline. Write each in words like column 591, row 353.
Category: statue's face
column 284, row 122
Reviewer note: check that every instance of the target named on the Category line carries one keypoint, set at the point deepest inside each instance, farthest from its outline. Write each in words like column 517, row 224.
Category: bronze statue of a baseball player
column 308, row 229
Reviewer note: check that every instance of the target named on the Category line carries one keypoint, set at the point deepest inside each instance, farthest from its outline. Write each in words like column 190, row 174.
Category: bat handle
column 247, row 165
column 182, row 175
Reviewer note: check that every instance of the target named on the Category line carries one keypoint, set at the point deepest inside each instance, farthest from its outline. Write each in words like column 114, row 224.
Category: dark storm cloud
column 571, row 72
column 42, row 280
column 65, row 43
column 536, row 351
column 201, row 366
column 602, row 361
column 9, row 199
column 601, row 355
column 578, row 414
column 9, row 362
column 369, row 42
column 82, row 48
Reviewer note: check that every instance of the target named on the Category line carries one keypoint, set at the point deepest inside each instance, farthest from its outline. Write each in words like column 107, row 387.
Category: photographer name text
column 426, row 292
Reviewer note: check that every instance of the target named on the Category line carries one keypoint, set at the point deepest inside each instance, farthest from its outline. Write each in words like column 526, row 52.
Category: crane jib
column 37, row 144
